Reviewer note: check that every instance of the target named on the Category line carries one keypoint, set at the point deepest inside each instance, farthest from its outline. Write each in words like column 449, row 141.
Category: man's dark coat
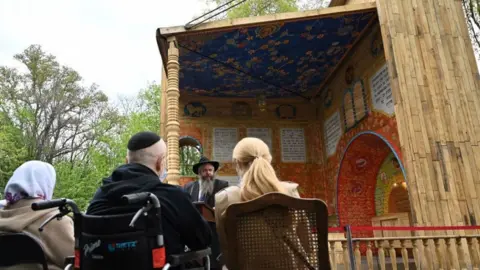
column 193, row 188
column 182, row 223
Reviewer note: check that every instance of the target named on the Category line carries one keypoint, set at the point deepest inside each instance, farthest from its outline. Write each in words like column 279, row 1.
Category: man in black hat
column 205, row 188
column 182, row 223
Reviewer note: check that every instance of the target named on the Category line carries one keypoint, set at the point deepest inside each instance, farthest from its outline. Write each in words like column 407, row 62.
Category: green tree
column 312, row 4
column 189, row 155
column 82, row 177
column 12, row 150
column 46, row 113
column 57, row 115
column 472, row 13
column 257, row 7
column 262, row 7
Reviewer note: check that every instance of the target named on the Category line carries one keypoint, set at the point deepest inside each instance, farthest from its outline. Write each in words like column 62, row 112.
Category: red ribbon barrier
column 404, row 228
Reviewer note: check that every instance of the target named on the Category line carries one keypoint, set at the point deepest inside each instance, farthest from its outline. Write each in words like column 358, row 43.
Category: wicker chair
column 276, row 231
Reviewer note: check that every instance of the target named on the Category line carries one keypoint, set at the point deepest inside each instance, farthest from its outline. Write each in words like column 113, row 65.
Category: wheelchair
column 125, row 241
column 22, row 248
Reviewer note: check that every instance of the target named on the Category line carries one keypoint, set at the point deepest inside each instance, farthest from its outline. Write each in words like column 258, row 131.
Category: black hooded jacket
column 181, row 221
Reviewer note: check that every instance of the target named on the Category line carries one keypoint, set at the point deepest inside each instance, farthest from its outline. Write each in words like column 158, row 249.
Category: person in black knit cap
column 182, row 224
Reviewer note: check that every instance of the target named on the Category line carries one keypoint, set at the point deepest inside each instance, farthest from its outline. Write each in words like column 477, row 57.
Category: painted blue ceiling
column 274, row 60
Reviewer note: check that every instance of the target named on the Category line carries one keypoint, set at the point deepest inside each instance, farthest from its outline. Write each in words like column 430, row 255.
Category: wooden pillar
column 437, row 104
column 173, row 125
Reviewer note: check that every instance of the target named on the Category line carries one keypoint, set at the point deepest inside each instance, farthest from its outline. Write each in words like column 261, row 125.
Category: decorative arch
column 190, row 141
column 191, row 151
column 357, row 178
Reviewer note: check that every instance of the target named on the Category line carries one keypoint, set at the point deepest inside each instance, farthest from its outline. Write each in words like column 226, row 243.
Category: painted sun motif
column 267, row 30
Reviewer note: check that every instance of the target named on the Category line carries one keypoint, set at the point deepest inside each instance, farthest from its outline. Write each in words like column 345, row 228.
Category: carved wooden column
column 173, row 125
column 437, row 104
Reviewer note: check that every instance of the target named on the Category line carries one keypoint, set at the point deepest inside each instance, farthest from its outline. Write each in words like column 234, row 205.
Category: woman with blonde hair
column 252, row 160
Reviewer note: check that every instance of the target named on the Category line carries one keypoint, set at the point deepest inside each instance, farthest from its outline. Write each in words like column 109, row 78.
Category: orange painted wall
column 219, row 114
column 365, row 61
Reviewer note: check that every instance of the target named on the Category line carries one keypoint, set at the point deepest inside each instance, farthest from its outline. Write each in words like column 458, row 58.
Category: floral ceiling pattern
column 283, row 59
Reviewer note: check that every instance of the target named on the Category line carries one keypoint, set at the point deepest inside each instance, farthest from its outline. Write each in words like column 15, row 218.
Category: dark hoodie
column 181, row 221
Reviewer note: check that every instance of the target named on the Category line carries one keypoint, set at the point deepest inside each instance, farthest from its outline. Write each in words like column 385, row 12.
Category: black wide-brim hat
column 204, row 160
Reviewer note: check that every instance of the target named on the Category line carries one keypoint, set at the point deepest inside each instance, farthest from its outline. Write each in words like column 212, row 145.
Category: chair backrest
column 276, row 231
column 21, row 249
column 107, row 242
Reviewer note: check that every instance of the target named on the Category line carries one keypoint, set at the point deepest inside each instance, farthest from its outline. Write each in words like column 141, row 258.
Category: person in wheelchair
column 34, row 181
column 182, row 223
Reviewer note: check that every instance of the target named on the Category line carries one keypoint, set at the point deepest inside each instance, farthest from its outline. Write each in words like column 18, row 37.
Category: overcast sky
column 111, row 43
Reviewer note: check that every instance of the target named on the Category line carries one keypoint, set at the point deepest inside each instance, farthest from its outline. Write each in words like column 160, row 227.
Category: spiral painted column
column 173, row 125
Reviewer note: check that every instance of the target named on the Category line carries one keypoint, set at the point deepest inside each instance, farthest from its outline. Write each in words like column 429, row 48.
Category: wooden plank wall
column 437, row 103
column 349, row 2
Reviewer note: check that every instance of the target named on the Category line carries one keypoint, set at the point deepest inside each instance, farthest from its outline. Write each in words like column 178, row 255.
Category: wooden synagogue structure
column 371, row 106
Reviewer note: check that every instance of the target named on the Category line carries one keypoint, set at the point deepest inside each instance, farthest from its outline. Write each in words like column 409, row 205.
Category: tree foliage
column 12, row 150
column 472, row 12
column 312, row 4
column 260, row 7
column 110, row 151
column 46, row 113
column 58, row 117
column 263, row 7
column 189, row 155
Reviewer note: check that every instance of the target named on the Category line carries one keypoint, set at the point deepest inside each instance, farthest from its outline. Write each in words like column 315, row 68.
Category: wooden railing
column 417, row 252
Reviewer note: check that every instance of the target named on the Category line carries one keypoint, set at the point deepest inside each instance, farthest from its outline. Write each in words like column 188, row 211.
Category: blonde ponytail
column 253, row 158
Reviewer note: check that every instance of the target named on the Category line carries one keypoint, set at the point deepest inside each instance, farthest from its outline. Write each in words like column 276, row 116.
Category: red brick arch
column 356, row 181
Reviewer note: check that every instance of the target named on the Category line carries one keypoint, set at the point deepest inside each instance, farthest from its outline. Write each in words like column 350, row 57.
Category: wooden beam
column 335, row 3
column 163, row 48
column 260, row 20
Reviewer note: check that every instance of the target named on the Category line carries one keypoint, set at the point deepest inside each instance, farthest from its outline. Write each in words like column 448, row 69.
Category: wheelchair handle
column 37, row 206
column 142, row 197
column 48, row 204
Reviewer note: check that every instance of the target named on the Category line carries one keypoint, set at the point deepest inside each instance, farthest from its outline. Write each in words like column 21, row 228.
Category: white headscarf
column 34, row 179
